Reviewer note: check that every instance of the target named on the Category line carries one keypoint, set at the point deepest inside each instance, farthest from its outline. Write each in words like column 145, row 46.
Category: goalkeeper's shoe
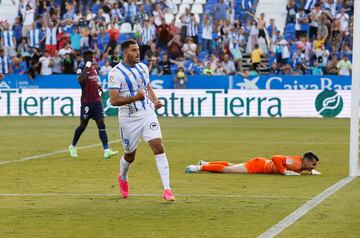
column 202, row 162
column 192, row 169
column 108, row 153
column 73, row 151
column 124, row 187
column 168, row 196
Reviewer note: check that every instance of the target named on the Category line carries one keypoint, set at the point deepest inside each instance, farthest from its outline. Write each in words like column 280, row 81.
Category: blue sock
column 103, row 137
column 77, row 135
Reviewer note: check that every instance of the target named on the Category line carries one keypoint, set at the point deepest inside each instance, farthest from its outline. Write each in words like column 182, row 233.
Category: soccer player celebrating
column 91, row 106
column 279, row 164
column 130, row 89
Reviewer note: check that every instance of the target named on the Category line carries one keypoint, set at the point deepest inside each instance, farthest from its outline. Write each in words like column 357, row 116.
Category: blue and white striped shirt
column 34, row 37
column 51, row 36
column 8, row 38
column 4, row 65
column 192, row 29
column 147, row 35
column 129, row 80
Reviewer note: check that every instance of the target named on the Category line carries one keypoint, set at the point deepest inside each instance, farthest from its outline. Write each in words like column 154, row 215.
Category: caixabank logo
column 329, row 103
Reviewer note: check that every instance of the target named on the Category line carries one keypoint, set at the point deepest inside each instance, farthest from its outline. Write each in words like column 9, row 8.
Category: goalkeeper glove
column 290, row 173
column 315, row 172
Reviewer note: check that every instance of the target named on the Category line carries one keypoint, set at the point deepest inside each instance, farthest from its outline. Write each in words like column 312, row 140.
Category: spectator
column 35, row 37
column 315, row 70
column 335, row 35
column 189, row 48
column 220, row 9
column 17, row 30
column 174, row 47
column 196, row 67
column 152, row 52
column 207, row 33
column 5, row 63
column 228, row 65
column 19, row 66
column 148, row 33
column 344, row 66
column 56, row 69
column 331, row 67
column 75, row 39
column 314, row 17
column 46, row 63
column 319, row 42
column 35, row 65
column 192, row 28
column 8, row 41
column 68, row 64
column 180, row 79
column 105, row 69
column 302, row 23
column 24, row 50
column 102, row 40
column 28, row 19
column 256, row 57
column 165, row 64
column 272, row 29
column 179, row 62
column 154, row 68
column 208, row 70
column 344, row 21
column 163, row 34
column 66, row 50
column 50, row 37
column 291, row 9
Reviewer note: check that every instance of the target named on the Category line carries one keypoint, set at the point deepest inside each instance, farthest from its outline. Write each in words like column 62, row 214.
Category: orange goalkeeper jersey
column 277, row 165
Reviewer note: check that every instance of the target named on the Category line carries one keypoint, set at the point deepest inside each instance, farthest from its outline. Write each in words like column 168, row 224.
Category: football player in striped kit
column 130, row 89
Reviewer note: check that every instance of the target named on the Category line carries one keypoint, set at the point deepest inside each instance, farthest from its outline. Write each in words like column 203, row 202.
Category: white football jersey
column 130, row 80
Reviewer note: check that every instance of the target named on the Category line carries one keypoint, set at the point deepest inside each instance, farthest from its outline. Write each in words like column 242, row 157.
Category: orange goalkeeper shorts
column 256, row 165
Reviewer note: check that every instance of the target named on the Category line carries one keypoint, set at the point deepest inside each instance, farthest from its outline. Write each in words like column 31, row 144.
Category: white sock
column 124, row 168
column 163, row 167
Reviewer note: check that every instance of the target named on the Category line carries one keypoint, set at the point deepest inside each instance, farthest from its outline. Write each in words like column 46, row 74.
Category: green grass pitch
column 79, row 197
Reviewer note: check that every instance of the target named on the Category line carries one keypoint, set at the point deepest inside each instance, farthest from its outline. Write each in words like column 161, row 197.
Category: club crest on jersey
column 154, row 126
column 289, row 161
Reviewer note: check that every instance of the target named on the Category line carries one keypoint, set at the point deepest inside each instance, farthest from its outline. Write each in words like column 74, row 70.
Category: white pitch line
column 177, row 141
column 200, row 141
column 301, row 211
column 146, row 195
column 53, row 153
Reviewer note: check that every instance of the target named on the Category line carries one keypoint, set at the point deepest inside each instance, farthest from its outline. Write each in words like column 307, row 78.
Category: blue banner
column 308, row 82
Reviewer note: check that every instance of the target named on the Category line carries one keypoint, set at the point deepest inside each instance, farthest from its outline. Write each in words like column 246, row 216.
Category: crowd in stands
column 213, row 37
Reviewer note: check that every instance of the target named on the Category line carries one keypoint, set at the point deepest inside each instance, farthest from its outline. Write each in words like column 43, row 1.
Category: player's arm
column 82, row 75
column 153, row 98
column 280, row 165
column 117, row 100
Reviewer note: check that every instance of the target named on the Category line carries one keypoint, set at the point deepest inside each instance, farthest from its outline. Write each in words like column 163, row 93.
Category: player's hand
column 291, row 173
column 315, row 172
column 158, row 105
column 140, row 95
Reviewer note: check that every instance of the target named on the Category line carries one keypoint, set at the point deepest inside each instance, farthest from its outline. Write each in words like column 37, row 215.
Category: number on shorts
column 86, row 109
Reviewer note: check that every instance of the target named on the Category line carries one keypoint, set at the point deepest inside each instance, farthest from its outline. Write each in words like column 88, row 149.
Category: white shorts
column 146, row 127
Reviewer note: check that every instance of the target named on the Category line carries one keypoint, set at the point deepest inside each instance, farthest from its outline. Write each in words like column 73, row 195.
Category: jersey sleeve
column 114, row 80
column 279, row 162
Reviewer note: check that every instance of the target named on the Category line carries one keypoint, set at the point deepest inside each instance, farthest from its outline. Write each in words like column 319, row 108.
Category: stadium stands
column 218, row 27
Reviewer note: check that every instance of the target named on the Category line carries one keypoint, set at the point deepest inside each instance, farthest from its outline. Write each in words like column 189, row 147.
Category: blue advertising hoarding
column 308, row 82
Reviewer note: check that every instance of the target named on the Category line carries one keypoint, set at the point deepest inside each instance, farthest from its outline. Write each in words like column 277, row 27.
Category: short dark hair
column 127, row 43
column 88, row 53
column 310, row 156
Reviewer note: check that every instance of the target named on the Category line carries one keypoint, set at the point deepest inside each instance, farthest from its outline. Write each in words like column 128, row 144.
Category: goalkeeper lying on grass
column 279, row 164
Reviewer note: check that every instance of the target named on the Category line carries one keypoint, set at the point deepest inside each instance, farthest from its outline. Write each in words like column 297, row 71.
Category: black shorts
column 93, row 111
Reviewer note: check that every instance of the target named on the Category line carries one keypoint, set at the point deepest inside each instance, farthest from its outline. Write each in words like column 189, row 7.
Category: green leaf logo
column 109, row 109
column 329, row 103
